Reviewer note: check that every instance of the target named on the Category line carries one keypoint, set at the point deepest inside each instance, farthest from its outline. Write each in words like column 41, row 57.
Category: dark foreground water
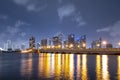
column 59, row 67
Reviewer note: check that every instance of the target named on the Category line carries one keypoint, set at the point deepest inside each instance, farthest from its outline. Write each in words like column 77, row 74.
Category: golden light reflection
column 26, row 66
column 71, row 66
column 98, row 67
column 118, row 71
column 46, row 64
column 84, row 67
column 62, row 65
column 105, row 73
column 66, row 69
column 57, row 66
column 52, row 61
column 78, row 67
column 40, row 65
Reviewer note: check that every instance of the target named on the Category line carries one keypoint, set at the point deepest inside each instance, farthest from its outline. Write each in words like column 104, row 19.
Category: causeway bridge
column 111, row 51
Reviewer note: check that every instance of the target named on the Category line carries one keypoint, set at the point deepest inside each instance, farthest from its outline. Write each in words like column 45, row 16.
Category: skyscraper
column 96, row 43
column 44, row 43
column 71, row 41
column 57, row 42
column 32, row 42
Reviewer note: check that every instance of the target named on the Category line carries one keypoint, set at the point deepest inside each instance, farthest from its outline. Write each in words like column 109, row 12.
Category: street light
column 84, row 45
column 104, row 43
column 98, row 45
column 119, row 44
column 71, row 46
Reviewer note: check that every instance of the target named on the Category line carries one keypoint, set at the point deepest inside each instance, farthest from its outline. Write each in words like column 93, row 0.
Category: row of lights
column 105, row 42
column 84, row 45
column 67, row 46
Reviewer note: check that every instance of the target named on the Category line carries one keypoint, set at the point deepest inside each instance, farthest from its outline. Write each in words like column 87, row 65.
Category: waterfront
column 58, row 66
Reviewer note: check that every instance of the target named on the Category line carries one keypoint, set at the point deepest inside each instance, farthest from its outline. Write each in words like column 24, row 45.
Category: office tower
column 96, row 43
column 44, row 43
column 57, row 42
column 71, row 41
column 32, row 42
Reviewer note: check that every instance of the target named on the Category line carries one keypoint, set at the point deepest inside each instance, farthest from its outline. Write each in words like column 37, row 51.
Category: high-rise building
column 109, row 46
column 57, row 42
column 44, row 43
column 83, row 42
column 71, row 41
column 65, row 44
column 38, row 45
column 80, row 42
column 96, row 43
column 32, row 42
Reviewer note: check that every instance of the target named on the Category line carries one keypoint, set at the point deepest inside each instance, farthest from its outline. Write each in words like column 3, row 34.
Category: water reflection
column 105, row 72
column 26, row 66
column 78, row 67
column 98, row 67
column 84, row 67
column 118, row 71
column 57, row 66
column 71, row 66
column 62, row 66
column 45, row 66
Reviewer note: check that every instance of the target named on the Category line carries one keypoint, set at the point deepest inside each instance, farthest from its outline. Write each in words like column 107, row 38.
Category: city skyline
column 20, row 19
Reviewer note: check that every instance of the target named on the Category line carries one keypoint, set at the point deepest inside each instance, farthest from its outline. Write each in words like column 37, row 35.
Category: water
column 59, row 67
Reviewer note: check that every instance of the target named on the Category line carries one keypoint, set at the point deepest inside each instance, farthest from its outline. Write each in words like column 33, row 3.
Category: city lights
column 118, row 43
column 84, row 45
column 71, row 46
column 104, row 42
column 98, row 45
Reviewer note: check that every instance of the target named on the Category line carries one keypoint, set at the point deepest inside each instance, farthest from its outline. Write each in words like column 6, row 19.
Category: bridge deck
column 83, row 51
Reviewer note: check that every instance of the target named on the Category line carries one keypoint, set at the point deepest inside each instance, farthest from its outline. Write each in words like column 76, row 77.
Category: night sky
column 20, row 19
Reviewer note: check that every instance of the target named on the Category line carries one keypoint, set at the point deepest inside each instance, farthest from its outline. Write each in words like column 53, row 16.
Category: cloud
column 4, row 17
column 66, row 11
column 31, row 5
column 16, row 27
column 70, row 11
column 113, row 30
column 21, row 2
column 79, row 20
column 14, row 32
column 22, row 34
column 60, row 1
column 107, row 29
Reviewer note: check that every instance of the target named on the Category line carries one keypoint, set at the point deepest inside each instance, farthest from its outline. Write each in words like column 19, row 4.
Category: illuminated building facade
column 80, row 43
column 32, row 42
column 97, row 43
column 83, row 42
column 65, row 44
column 44, row 43
column 57, row 42
column 71, row 41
